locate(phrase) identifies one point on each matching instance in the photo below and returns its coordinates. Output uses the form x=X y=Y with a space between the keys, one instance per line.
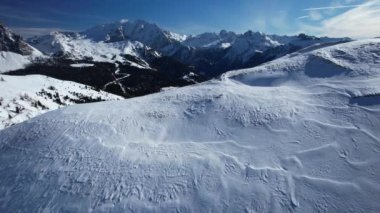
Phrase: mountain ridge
x=137 y=58
x=209 y=53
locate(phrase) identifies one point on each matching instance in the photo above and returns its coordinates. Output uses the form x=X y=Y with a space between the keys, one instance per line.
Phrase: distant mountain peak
x=12 y=42
x=136 y=30
x=122 y=21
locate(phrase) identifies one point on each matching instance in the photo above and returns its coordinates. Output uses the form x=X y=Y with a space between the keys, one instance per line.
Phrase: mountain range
x=134 y=58
x=210 y=54
x=129 y=59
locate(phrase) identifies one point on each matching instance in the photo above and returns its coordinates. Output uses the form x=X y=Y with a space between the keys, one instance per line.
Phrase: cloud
x=28 y=32
x=315 y=15
x=337 y=5
x=332 y=7
x=303 y=17
x=359 y=22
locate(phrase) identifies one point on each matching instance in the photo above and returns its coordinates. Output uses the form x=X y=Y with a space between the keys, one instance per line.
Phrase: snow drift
x=292 y=135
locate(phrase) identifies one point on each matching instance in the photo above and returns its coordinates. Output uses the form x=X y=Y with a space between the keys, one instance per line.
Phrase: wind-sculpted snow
x=296 y=144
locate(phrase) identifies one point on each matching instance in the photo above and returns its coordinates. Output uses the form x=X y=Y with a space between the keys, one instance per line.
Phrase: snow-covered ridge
x=209 y=53
x=24 y=97
x=14 y=52
x=354 y=59
x=12 y=61
x=77 y=47
x=299 y=134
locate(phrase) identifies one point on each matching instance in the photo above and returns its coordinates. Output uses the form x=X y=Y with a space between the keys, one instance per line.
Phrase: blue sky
x=31 y=17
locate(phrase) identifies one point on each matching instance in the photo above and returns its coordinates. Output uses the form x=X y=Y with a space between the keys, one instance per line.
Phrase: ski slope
x=24 y=97
x=299 y=134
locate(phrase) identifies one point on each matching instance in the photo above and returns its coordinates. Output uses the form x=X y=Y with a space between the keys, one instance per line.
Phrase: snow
x=82 y=65
x=123 y=21
x=110 y=42
x=189 y=76
x=281 y=137
x=225 y=45
x=137 y=30
x=203 y=40
x=244 y=46
x=176 y=36
x=24 y=92
x=78 y=47
x=12 y=61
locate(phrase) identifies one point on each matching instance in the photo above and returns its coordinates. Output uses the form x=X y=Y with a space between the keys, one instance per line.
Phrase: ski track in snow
x=266 y=139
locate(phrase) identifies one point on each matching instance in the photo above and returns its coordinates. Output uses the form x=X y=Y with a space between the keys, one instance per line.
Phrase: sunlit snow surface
x=24 y=97
x=12 y=61
x=293 y=135
x=78 y=47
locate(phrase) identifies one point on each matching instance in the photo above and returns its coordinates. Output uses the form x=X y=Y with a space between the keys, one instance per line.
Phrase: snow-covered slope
x=300 y=134
x=14 y=52
x=12 y=61
x=74 y=46
x=23 y=97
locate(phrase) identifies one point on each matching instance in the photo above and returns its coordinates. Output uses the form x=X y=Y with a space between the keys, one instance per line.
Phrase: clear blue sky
x=182 y=16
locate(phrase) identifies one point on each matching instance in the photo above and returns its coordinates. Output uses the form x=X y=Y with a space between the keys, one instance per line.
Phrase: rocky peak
x=13 y=43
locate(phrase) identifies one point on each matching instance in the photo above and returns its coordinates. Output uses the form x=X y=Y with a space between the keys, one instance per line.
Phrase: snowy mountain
x=211 y=54
x=205 y=40
x=139 y=30
x=127 y=68
x=14 y=52
x=74 y=46
x=299 y=134
x=10 y=42
x=24 y=97
x=217 y=53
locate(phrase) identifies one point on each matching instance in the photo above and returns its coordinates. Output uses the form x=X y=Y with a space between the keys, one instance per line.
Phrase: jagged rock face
x=13 y=43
